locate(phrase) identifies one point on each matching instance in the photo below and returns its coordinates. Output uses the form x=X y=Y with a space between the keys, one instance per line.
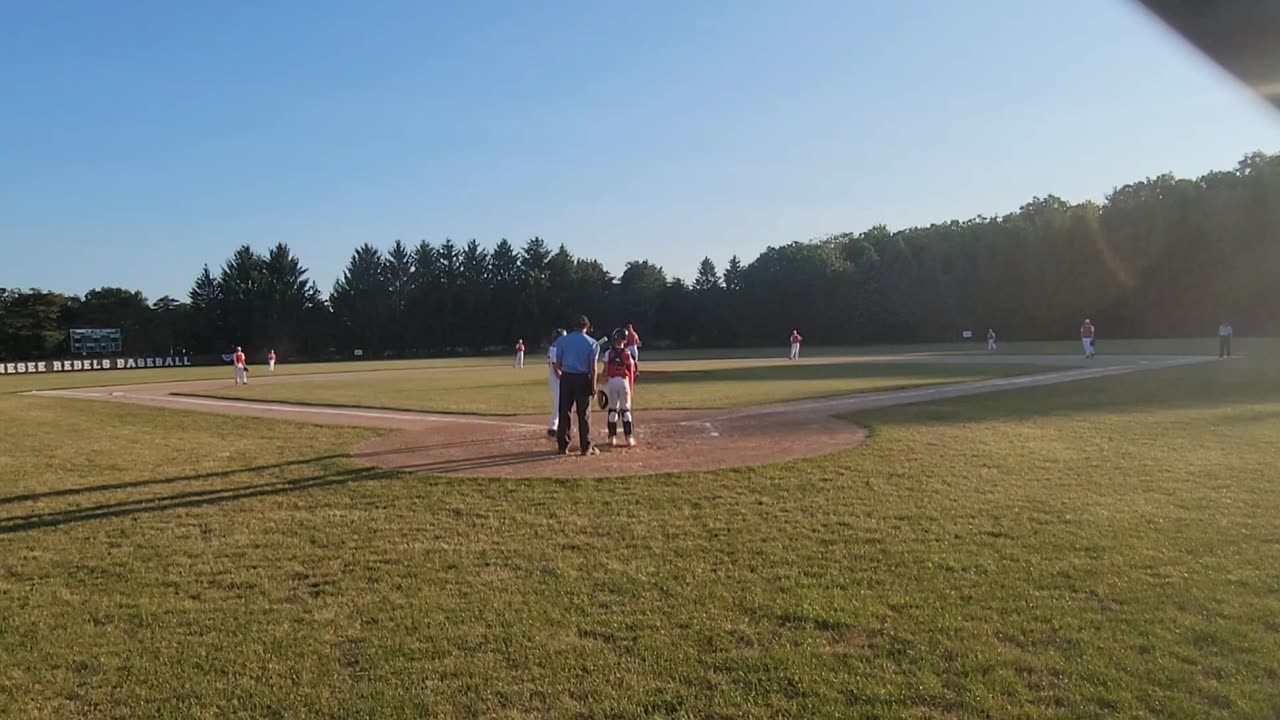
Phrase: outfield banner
x=54 y=366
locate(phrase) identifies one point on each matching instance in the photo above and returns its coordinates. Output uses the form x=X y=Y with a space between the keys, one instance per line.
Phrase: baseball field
x=878 y=532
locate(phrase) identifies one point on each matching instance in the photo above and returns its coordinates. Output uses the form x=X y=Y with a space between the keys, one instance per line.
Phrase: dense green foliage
x=1164 y=257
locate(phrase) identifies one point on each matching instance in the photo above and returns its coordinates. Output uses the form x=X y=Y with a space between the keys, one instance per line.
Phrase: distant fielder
x=520 y=353
x=271 y=361
x=633 y=342
x=242 y=369
x=991 y=340
x=795 y=345
x=1087 y=332
x=554 y=382
x=620 y=369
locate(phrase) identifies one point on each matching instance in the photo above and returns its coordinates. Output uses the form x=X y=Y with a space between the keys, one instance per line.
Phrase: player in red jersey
x=242 y=368
x=620 y=371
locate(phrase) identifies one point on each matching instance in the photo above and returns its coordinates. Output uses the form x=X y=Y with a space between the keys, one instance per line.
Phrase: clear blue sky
x=140 y=140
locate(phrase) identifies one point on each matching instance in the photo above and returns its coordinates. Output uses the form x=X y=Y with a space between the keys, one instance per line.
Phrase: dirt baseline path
x=669 y=441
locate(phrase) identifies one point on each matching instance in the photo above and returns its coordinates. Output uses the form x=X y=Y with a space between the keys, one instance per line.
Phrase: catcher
x=620 y=369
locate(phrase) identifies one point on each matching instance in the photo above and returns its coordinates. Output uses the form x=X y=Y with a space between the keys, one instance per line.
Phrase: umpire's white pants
x=554 y=382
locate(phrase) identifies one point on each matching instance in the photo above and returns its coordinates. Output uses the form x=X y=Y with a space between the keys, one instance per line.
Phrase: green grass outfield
x=1104 y=548
x=669 y=385
x=53 y=381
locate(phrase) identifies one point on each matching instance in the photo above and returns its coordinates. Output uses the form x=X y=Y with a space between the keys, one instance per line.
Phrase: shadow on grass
x=218 y=496
x=444 y=467
x=67 y=492
x=194 y=498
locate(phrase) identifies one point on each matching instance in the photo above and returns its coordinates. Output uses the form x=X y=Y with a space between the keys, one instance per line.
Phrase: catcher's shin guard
x=626 y=422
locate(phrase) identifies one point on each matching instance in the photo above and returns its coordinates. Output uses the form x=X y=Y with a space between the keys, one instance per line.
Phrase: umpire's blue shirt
x=576 y=353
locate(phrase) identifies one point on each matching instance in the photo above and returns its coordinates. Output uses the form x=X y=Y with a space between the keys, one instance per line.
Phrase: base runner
x=633 y=342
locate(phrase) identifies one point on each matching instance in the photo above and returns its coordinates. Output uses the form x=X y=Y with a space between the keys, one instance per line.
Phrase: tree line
x=1162 y=257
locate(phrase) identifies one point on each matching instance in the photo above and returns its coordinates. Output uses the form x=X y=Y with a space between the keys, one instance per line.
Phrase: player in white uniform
x=554 y=382
x=795 y=345
x=520 y=353
x=991 y=339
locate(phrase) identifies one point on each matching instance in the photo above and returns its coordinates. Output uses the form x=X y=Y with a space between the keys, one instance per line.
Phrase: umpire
x=576 y=366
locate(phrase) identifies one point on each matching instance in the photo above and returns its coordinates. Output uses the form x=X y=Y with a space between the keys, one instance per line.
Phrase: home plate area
x=666 y=442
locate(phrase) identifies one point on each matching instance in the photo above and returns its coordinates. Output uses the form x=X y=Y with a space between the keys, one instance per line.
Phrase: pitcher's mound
x=666 y=442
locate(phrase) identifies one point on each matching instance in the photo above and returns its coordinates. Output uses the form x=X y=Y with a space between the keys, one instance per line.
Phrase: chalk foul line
x=286 y=408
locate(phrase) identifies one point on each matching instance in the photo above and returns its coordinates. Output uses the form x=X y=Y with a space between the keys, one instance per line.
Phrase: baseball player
x=242 y=369
x=795 y=345
x=271 y=361
x=620 y=369
x=554 y=381
x=1087 y=332
x=991 y=340
x=633 y=342
x=520 y=353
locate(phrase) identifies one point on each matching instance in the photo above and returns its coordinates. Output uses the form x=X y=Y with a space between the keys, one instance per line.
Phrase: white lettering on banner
x=44 y=366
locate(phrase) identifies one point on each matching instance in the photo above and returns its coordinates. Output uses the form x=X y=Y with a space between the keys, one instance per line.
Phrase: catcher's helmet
x=619 y=335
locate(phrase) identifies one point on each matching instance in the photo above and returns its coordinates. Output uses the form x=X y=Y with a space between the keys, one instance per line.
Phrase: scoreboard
x=95 y=342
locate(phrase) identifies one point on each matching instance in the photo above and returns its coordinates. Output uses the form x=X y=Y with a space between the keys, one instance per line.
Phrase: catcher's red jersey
x=618 y=363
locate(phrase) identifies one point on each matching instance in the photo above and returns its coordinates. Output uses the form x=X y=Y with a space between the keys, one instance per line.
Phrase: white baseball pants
x=554 y=382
